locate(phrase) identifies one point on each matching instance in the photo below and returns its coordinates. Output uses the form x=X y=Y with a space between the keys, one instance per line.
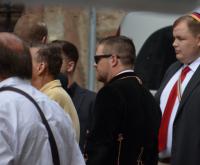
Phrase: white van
x=140 y=25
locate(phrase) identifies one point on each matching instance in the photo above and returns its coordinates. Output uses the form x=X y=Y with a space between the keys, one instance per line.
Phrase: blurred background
x=84 y=22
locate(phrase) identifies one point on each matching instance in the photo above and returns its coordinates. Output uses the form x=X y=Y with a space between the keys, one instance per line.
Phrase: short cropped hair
x=15 y=62
x=51 y=55
x=31 y=29
x=122 y=46
x=69 y=49
x=193 y=24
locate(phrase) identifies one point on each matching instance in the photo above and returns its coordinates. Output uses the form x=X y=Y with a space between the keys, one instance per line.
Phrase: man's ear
x=114 y=60
x=71 y=66
x=41 y=68
x=198 y=40
x=44 y=39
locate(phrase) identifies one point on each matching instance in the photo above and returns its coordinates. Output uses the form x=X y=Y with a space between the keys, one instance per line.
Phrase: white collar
x=12 y=81
x=124 y=71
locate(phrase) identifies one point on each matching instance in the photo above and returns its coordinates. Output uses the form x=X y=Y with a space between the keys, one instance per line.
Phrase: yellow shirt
x=54 y=91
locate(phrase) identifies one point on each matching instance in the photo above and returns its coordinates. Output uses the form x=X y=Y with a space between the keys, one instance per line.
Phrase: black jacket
x=124 y=106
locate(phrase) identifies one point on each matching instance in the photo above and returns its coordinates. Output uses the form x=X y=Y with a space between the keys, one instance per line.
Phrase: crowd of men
x=46 y=118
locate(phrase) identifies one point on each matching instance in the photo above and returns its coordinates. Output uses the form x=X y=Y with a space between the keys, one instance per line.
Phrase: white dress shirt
x=164 y=97
x=24 y=138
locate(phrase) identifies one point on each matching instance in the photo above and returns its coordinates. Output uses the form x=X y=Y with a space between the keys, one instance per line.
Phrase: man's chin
x=179 y=57
x=100 y=79
x=184 y=60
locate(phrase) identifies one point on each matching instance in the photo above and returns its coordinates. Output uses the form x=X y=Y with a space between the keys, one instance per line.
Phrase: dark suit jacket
x=83 y=100
x=124 y=106
x=186 y=131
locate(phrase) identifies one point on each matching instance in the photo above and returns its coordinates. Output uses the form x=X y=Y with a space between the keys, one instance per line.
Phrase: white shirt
x=23 y=137
x=163 y=101
x=124 y=71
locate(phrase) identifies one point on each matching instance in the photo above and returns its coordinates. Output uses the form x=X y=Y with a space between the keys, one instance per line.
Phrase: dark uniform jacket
x=124 y=106
x=186 y=130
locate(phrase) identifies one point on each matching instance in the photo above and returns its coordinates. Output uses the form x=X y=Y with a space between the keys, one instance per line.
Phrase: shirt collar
x=194 y=65
x=13 y=81
x=124 y=71
x=50 y=85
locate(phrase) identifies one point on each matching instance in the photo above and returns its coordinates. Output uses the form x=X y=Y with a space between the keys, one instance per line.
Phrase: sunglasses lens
x=97 y=58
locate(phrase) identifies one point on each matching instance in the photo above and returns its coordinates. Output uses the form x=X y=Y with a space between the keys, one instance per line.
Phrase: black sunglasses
x=97 y=58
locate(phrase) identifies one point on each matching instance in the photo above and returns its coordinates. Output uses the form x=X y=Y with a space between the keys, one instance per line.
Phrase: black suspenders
x=54 y=149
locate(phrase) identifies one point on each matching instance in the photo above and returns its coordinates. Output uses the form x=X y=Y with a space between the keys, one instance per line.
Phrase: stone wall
x=72 y=24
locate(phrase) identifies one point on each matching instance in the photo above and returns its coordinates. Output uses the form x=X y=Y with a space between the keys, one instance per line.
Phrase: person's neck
x=41 y=81
x=70 y=77
x=116 y=71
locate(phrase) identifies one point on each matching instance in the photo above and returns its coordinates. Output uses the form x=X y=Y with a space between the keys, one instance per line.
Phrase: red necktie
x=162 y=138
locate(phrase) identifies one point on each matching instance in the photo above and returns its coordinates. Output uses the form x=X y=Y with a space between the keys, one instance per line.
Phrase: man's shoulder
x=47 y=106
x=51 y=106
x=80 y=90
x=27 y=89
x=125 y=86
x=89 y=92
x=57 y=93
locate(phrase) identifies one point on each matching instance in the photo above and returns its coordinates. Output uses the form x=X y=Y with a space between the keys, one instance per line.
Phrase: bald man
x=23 y=136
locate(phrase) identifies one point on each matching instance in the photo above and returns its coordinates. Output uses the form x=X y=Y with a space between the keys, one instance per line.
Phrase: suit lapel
x=170 y=72
x=195 y=80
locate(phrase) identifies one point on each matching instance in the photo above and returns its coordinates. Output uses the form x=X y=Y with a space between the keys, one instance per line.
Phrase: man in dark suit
x=127 y=118
x=82 y=98
x=178 y=96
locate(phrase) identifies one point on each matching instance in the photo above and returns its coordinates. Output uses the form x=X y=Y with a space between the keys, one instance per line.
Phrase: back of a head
x=69 y=49
x=31 y=29
x=122 y=46
x=15 y=58
x=51 y=55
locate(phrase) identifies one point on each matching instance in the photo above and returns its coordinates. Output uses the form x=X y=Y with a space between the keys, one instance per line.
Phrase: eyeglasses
x=97 y=58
